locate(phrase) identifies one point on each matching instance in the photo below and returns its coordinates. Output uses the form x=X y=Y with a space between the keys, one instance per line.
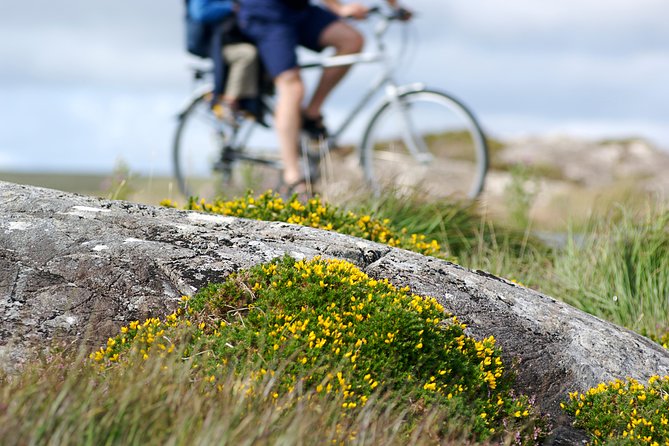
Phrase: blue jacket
x=209 y=11
x=208 y=22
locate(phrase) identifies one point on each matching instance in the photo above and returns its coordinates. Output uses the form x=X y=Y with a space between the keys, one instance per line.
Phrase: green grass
x=61 y=401
x=619 y=270
x=616 y=267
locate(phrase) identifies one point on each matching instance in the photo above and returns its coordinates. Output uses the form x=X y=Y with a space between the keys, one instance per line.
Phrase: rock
x=588 y=163
x=570 y=179
x=73 y=269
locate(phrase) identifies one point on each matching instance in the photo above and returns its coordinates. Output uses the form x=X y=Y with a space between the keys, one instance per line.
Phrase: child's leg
x=242 y=61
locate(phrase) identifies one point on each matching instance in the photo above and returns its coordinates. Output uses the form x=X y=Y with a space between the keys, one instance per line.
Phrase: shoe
x=226 y=111
x=299 y=189
x=314 y=127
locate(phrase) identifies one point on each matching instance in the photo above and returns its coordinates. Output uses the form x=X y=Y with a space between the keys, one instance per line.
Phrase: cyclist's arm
x=360 y=11
x=405 y=14
x=354 y=10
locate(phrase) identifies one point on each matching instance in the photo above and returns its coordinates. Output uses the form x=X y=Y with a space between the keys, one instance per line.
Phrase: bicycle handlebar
x=399 y=13
x=395 y=14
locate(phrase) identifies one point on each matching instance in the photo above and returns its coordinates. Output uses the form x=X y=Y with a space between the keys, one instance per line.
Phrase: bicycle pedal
x=222 y=166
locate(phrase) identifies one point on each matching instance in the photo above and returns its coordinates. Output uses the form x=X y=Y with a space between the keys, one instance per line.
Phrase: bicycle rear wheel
x=209 y=154
x=425 y=141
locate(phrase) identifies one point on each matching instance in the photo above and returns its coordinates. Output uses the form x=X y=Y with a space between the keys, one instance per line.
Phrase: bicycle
x=416 y=137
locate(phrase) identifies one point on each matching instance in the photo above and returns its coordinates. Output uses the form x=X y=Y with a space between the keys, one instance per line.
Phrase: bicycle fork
x=412 y=138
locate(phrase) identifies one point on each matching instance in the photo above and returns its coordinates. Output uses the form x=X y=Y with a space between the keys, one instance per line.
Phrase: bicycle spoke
x=425 y=140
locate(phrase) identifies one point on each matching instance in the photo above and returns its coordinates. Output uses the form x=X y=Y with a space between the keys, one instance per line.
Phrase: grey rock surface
x=73 y=269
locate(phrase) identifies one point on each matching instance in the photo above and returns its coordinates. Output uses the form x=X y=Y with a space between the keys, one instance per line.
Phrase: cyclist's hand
x=403 y=14
x=353 y=10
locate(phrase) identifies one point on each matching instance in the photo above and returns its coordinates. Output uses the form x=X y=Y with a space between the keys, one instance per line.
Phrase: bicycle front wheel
x=425 y=141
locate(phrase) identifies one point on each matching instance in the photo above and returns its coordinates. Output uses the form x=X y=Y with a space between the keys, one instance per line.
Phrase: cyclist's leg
x=345 y=39
x=277 y=43
x=290 y=91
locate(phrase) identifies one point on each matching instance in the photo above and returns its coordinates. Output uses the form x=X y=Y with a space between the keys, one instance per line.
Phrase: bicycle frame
x=385 y=78
x=394 y=107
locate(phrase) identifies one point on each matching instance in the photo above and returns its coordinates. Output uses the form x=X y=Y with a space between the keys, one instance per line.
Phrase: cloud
x=104 y=43
x=567 y=25
x=91 y=61
x=96 y=81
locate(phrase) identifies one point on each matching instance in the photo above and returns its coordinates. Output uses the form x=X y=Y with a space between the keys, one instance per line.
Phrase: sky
x=87 y=84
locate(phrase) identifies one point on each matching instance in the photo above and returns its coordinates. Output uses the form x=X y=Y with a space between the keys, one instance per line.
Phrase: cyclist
x=236 y=64
x=278 y=27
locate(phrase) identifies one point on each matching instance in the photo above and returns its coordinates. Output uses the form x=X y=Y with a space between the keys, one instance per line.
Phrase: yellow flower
x=430 y=386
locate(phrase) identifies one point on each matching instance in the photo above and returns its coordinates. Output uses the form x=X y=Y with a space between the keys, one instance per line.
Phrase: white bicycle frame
x=393 y=91
x=397 y=99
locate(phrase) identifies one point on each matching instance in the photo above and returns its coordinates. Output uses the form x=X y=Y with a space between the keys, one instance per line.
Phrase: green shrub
x=325 y=327
x=315 y=213
x=471 y=238
x=624 y=412
x=454 y=224
x=664 y=340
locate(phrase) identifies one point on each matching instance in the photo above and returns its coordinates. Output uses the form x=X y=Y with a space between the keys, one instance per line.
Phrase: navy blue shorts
x=277 y=38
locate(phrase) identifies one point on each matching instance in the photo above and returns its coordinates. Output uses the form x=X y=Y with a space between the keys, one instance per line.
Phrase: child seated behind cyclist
x=240 y=56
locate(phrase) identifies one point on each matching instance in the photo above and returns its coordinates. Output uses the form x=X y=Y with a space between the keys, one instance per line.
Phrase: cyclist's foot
x=299 y=189
x=227 y=112
x=314 y=127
